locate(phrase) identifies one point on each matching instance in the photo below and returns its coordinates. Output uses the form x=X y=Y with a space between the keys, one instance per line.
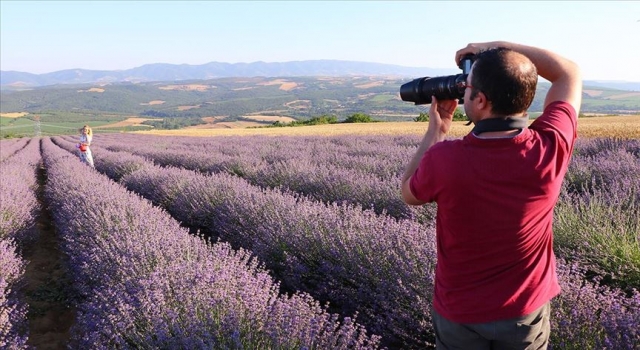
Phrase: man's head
x=507 y=80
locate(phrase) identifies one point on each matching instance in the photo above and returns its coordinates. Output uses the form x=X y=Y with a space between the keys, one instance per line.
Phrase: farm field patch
x=131 y=121
x=601 y=126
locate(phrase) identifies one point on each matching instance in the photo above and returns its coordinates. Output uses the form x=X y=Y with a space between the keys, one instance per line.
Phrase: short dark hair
x=508 y=79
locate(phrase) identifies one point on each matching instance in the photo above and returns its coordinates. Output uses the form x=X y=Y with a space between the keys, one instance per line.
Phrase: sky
x=603 y=37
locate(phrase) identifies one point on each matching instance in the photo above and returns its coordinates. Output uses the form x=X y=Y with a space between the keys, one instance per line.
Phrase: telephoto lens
x=419 y=91
x=449 y=87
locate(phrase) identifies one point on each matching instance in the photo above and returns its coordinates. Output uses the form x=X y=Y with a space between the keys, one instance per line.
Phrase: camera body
x=449 y=87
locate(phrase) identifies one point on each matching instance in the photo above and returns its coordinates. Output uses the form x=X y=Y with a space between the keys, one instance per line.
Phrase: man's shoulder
x=558 y=114
x=558 y=108
x=446 y=146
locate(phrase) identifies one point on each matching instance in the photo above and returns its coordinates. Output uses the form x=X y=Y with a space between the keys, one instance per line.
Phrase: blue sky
x=46 y=36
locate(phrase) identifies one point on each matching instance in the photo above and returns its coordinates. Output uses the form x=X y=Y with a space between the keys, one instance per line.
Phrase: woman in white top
x=84 y=152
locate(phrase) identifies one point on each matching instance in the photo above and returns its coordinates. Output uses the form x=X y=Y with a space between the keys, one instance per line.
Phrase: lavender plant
x=18 y=208
x=587 y=313
x=18 y=201
x=341 y=254
x=147 y=283
x=338 y=170
x=13 y=313
x=598 y=215
x=11 y=146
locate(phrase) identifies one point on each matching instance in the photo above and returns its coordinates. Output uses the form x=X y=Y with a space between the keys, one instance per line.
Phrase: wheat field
x=625 y=127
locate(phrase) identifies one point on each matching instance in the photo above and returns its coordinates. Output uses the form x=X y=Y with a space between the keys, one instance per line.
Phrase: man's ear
x=481 y=101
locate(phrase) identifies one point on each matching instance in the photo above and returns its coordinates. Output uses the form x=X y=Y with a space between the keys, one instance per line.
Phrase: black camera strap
x=500 y=124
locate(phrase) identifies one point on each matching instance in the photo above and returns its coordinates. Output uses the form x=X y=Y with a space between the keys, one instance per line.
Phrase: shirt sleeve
x=559 y=117
x=421 y=183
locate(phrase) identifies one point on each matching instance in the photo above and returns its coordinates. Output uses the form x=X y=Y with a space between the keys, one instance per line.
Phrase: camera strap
x=500 y=124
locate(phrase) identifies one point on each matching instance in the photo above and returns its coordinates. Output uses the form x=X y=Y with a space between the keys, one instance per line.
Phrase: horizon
x=71 y=69
x=40 y=37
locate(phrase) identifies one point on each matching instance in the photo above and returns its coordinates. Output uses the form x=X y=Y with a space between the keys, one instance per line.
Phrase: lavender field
x=282 y=243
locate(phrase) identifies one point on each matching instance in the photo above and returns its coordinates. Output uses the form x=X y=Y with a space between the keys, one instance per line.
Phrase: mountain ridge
x=212 y=70
x=15 y=80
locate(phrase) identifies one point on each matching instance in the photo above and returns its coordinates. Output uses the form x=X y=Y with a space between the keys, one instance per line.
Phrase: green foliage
x=174 y=123
x=359 y=118
x=458 y=115
x=604 y=234
x=423 y=117
x=323 y=119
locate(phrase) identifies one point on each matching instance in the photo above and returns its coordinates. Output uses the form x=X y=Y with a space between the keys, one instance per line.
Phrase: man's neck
x=494 y=130
x=498 y=134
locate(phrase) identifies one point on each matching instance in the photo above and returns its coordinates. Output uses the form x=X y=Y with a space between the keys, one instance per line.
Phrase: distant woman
x=84 y=152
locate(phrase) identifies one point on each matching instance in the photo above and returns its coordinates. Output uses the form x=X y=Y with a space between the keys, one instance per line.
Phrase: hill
x=12 y=80
x=236 y=98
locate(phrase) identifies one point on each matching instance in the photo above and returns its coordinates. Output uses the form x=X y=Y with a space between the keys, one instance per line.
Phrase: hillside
x=234 y=98
x=11 y=80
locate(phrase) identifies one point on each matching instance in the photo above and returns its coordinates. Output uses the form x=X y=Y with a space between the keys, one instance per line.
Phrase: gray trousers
x=527 y=332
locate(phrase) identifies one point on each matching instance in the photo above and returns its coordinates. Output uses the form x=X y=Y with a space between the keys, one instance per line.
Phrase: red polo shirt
x=495 y=212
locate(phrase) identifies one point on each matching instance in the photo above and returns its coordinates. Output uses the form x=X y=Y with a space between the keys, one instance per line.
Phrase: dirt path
x=47 y=283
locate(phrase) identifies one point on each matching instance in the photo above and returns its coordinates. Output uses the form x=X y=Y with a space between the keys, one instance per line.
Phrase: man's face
x=468 y=110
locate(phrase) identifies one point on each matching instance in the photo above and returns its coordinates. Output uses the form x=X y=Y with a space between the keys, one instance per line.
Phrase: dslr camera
x=449 y=87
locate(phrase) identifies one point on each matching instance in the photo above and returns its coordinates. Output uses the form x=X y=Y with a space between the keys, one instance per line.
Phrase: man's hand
x=441 y=115
x=475 y=48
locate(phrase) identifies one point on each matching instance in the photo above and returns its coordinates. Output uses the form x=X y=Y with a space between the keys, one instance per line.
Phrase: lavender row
x=344 y=170
x=13 y=313
x=598 y=216
x=305 y=243
x=18 y=202
x=18 y=208
x=355 y=259
x=589 y=315
x=11 y=146
x=147 y=283
x=319 y=168
x=379 y=156
x=605 y=163
x=318 y=171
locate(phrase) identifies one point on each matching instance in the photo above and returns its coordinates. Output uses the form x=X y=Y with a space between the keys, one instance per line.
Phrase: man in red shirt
x=495 y=190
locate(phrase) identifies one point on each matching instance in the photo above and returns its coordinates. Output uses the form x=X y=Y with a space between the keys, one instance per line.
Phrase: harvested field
x=187 y=87
x=284 y=84
x=370 y=85
x=593 y=93
x=151 y=103
x=92 y=90
x=619 y=126
x=133 y=121
x=626 y=127
x=270 y=118
x=623 y=96
x=13 y=115
x=254 y=121
x=186 y=108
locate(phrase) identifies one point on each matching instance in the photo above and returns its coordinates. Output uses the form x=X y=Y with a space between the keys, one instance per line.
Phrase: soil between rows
x=46 y=281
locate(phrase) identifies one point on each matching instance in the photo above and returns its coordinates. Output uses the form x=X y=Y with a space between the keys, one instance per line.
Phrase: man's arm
x=564 y=74
x=440 y=116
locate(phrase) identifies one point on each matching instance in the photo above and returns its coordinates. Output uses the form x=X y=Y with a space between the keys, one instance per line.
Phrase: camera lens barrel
x=419 y=91
x=450 y=87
